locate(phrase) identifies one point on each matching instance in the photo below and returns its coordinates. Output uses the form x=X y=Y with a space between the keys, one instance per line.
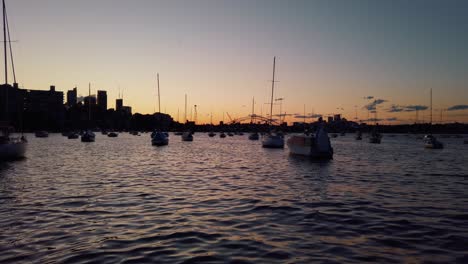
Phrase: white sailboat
x=88 y=135
x=315 y=146
x=10 y=147
x=431 y=141
x=272 y=140
x=159 y=138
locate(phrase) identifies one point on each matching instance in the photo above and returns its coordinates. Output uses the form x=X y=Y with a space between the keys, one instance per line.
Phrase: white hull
x=12 y=150
x=272 y=141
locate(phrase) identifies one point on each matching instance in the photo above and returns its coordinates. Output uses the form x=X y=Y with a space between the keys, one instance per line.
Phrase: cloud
x=369 y=97
x=391 y=119
x=373 y=105
x=406 y=108
x=412 y=108
x=457 y=107
x=395 y=109
x=308 y=116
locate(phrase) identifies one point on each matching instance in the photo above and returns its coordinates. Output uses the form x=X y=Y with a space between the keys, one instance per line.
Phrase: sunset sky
x=332 y=55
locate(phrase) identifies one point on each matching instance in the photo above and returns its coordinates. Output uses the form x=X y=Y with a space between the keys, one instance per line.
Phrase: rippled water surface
x=121 y=200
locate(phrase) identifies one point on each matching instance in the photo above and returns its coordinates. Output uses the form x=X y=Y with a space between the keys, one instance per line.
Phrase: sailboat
x=88 y=135
x=431 y=141
x=253 y=135
x=212 y=133
x=272 y=140
x=375 y=136
x=159 y=138
x=10 y=147
x=187 y=135
x=315 y=146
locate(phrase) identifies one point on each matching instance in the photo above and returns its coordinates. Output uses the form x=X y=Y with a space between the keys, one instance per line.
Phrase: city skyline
x=332 y=56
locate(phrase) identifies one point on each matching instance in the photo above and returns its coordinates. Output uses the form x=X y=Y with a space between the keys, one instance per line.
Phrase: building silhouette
x=102 y=99
x=72 y=96
x=118 y=104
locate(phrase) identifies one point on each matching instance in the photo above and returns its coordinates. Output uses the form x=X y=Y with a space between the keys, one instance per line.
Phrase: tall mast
x=272 y=91
x=5 y=42
x=89 y=103
x=431 y=108
x=159 y=96
x=185 y=113
x=253 y=110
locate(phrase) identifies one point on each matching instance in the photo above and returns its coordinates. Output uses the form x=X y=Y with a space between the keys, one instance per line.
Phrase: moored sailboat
x=315 y=146
x=10 y=147
x=430 y=141
x=272 y=140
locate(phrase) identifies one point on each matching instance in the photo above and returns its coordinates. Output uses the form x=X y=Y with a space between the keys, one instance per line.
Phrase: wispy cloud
x=391 y=119
x=396 y=109
x=412 y=108
x=308 y=116
x=457 y=107
x=406 y=108
x=373 y=105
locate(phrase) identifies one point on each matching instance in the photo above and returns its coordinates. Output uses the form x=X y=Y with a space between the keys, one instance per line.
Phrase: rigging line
x=11 y=51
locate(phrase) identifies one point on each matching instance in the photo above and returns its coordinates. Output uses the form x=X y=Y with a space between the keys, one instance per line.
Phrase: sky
x=332 y=56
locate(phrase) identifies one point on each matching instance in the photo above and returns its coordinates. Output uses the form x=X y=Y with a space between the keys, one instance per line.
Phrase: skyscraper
x=102 y=99
x=72 y=97
x=118 y=104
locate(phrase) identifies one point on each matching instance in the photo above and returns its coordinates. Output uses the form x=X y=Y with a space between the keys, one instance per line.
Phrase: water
x=121 y=200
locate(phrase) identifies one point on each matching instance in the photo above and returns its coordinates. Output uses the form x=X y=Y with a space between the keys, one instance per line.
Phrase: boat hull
x=273 y=142
x=11 y=151
x=303 y=146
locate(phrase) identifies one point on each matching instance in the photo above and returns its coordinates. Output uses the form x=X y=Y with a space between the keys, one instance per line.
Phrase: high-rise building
x=118 y=104
x=72 y=96
x=90 y=100
x=102 y=99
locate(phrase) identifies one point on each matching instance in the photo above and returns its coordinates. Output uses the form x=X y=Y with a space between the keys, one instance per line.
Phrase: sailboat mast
x=89 y=103
x=431 y=108
x=5 y=42
x=253 y=110
x=272 y=90
x=159 y=95
x=185 y=114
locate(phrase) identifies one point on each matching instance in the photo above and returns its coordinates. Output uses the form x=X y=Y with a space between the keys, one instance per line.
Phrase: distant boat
x=334 y=135
x=104 y=132
x=159 y=138
x=358 y=135
x=272 y=140
x=254 y=136
x=72 y=135
x=88 y=135
x=431 y=141
x=10 y=147
x=315 y=146
x=222 y=135
x=230 y=134
x=241 y=133
x=112 y=134
x=375 y=137
x=41 y=134
x=187 y=136
x=211 y=134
